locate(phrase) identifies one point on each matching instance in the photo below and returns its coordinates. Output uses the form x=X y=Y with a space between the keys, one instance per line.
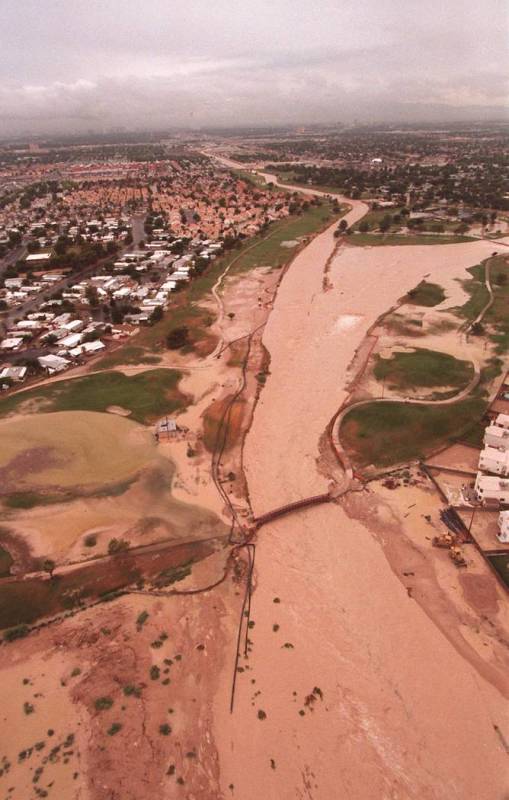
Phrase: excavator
x=448 y=542
x=456 y=556
x=445 y=540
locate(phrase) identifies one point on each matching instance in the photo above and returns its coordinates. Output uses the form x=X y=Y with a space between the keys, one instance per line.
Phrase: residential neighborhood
x=101 y=250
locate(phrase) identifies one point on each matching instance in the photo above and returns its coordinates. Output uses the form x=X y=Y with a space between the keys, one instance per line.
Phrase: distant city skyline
x=70 y=66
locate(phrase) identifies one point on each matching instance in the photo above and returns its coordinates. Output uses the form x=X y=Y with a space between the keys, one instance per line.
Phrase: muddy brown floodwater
x=351 y=688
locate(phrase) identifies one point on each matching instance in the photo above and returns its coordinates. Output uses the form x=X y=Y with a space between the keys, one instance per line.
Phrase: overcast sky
x=76 y=65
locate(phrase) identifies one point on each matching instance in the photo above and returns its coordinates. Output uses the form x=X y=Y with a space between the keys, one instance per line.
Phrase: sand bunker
x=122 y=412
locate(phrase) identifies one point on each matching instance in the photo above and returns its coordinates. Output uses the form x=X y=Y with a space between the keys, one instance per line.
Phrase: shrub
x=115 y=728
x=103 y=703
x=177 y=338
x=142 y=618
x=16 y=633
x=117 y=546
x=131 y=690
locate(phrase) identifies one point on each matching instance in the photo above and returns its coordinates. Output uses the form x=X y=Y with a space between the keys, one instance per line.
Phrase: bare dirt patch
x=480 y=593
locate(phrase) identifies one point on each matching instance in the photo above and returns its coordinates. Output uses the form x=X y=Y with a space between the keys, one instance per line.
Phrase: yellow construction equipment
x=443 y=540
x=456 y=556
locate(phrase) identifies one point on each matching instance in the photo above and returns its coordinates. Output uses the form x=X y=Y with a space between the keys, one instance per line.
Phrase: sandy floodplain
x=351 y=689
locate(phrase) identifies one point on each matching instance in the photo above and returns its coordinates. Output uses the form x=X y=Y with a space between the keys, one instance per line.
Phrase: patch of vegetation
x=423 y=368
x=24 y=601
x=498 y=314
x=33 y=499
x=114 y=728
x=141 y=620
x=501 y=563
x=291 y=178
x=6 y=562
x=117 y=546
x=130 y=354
x=377 y=240
x=381 y=218
x=268 y=251
x=173 y=575
x=476 y=288
x=18 y=632
x=403 y=326
x=425 y=294
x=132 y=691
x=383 y=434
x=147 y=396
x=103 y=703
x=178 y=338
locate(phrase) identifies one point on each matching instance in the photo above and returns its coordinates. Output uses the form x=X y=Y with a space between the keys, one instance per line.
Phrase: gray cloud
x=69 y=65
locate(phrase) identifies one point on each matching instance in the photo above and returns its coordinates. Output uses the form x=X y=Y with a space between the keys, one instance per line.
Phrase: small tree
x=49 y=566
x=117 y=546
x=177 y=338
x=156 y=315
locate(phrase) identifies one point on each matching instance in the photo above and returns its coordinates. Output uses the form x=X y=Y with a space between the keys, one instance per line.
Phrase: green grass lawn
x=290 y=178
x=501 y=563
x=497 y=317
x=269 y=252
x=126 y=355
x=379 y=239
x=148 y=395
x=425 y=294
x=392 y=433
x=253 y=178
x=476 y=288
x=498 y=314
x=423 y=368
x=374 y=218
